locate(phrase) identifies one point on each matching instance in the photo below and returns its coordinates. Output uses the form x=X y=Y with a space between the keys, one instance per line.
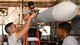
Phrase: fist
x=33 y=16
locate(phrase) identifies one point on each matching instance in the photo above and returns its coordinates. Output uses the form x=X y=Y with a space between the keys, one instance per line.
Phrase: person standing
x=63 y=33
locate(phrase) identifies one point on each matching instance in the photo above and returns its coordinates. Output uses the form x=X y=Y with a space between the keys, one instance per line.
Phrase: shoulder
x=12 y=37
x=70 y=40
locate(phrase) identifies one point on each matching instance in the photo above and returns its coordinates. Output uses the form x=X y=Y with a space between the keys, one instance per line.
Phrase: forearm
x=25 y=17
x=25 y=28
x=27 y=24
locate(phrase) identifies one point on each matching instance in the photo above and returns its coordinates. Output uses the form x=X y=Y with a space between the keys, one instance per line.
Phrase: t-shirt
x=12 y=40
x=26 y=11
x=70 y=41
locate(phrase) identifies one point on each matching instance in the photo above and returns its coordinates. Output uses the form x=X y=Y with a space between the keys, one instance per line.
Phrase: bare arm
x=25 y=17
x=25 y=27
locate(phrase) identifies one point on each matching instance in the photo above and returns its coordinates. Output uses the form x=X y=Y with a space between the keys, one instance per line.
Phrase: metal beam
x=17 y=3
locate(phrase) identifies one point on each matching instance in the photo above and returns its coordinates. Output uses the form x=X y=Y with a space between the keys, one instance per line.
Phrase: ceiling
x=38 y=3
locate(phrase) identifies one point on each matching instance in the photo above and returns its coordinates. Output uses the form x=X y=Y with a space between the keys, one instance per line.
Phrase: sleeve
x=12 y=39
x=69 y=43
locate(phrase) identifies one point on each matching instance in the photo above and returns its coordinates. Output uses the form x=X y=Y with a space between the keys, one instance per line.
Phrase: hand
x=32 y=16
x=25 y=17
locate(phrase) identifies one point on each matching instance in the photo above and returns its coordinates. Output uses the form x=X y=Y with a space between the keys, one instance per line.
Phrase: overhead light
x=55 y=0
x=3 y=11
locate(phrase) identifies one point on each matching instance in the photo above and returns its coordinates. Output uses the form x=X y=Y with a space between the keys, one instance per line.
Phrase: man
x=31 y=5
x=28 y=10
x=63 y=32
x=14 y=34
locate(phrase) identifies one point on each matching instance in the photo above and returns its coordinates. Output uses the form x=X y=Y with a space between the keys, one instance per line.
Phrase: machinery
x=63 y=11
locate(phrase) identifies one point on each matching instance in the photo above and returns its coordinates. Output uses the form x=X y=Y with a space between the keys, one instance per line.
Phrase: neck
x=11 y=33
x=29 y=8
x=65 y=35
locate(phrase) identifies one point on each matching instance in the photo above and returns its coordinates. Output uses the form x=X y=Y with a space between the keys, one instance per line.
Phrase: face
x=59 y=32
x=32 y=7
x=13 y=27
